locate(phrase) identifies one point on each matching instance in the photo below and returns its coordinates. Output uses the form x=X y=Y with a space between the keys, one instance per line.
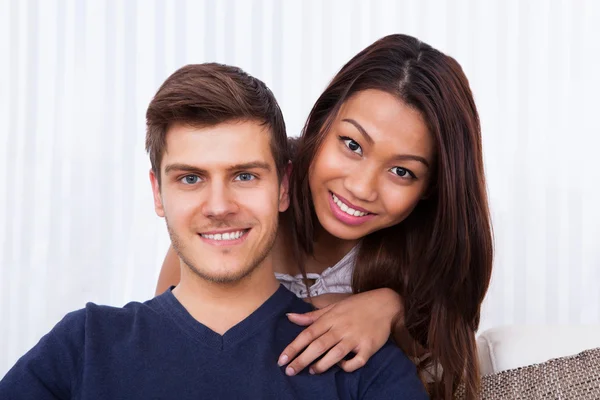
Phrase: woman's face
x=373 y=166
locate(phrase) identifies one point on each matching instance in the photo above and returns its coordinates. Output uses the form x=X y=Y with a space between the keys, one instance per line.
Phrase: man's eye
x=402 y=172
x=352 y=145
x=245 y=177
x=190 y=179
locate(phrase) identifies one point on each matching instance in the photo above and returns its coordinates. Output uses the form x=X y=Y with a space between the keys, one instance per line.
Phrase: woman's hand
x=360 y=324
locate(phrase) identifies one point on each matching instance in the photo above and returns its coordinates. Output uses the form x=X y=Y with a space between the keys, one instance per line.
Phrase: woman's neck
x=327 y=251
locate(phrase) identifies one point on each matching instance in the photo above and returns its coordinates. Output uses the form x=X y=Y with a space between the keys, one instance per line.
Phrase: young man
x=217 y=146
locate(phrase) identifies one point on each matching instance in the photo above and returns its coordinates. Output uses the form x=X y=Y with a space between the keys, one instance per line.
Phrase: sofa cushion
x=572 y=377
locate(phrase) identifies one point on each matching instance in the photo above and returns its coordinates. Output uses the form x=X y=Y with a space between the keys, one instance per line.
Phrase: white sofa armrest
x=517 y=346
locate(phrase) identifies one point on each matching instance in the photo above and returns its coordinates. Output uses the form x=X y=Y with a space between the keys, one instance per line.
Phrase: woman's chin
x=343 y=232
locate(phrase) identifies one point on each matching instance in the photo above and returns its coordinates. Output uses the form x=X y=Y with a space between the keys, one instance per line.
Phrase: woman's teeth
x=346 y=209
x=224 y=236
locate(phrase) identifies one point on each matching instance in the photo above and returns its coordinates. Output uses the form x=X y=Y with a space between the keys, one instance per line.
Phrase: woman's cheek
x=326 y=165
x=341 y=163
x=399 y=202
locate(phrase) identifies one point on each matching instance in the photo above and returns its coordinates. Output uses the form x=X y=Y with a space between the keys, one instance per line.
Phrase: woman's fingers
x=314 y=350
x=307 y=318
x=333 y=356
x=356 y=362
x=301 y=342
x=359 y=324
x=311 y=333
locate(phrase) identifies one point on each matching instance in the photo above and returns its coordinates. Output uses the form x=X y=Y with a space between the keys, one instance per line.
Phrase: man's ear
x=158 y=205
x=284 y=188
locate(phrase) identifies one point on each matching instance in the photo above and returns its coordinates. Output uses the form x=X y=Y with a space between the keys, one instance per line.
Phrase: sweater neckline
x=273 y=306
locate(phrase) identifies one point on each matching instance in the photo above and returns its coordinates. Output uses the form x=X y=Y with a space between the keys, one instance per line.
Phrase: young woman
x=388 y=203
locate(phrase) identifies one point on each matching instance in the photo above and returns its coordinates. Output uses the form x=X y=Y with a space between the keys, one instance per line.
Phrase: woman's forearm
x=169 y=273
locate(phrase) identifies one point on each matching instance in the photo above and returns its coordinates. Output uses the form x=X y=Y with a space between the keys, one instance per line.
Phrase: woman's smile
x=348 y=213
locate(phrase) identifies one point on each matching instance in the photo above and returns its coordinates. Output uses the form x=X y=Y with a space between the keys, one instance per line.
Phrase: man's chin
x=225 y=276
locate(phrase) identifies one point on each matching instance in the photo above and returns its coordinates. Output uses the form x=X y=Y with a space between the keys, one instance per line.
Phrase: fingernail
x=282 y=360
x=311 y=371
x=289 y=371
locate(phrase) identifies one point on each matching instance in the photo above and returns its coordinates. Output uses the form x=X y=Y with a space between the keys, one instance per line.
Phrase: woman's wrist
x=392 y=304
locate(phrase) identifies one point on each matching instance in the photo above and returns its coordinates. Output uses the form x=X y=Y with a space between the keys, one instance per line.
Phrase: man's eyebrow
x=250 y=165
x=200 y=171
x=183 y=168
x=362 y=130
x=400 y=157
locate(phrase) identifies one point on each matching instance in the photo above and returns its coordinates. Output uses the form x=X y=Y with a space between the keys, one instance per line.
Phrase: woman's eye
x=402 y=172
x=190 y=179
x=352 y=145
x=245 y=177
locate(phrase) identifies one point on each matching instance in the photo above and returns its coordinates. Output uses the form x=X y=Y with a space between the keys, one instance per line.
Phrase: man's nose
x=219 y=202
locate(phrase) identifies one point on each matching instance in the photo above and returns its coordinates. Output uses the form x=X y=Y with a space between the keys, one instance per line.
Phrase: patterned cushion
x=573 y=377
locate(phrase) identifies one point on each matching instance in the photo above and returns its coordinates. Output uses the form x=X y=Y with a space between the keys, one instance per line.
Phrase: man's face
x=220 y=197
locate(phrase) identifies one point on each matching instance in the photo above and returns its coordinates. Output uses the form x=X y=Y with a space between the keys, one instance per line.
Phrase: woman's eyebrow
x=362 y=130
x=404 y=157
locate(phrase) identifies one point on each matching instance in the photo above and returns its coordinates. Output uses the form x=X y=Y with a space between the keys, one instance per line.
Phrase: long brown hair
x=439 y=259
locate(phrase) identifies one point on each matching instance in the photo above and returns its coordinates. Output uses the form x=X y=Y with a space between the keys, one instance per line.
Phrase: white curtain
x=76 y=217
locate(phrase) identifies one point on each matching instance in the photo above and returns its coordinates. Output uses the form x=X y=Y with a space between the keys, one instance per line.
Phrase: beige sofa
x=540 y=362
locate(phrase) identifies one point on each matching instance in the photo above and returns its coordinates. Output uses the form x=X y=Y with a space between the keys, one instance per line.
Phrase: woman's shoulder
x=335 y=279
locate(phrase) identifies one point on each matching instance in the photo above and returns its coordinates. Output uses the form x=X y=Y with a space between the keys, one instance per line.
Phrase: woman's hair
x=439 y=259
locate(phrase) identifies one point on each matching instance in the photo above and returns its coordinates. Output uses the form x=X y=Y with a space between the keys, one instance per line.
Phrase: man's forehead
x=220 y=146
x=224 y=131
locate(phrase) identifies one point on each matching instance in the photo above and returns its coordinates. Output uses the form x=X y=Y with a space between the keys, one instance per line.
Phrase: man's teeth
x=346 y=209
x=225 y=236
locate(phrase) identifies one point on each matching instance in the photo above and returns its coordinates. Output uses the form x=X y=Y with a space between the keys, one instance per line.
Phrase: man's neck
x=220 y=306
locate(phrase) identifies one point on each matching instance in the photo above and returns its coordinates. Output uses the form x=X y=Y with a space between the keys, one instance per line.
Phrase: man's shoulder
x=101 y=318
x=390 y=354
x=297 y=305
x=391 y=372
x=129 y=310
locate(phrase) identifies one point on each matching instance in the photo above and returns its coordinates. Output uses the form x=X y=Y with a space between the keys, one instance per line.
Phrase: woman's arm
x=359 y=324
x=169 y=273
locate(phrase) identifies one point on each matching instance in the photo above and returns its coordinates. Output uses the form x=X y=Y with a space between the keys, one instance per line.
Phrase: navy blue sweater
x=157 y=350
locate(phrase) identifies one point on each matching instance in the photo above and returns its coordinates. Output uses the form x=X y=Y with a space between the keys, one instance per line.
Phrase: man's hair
x=204 y=95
